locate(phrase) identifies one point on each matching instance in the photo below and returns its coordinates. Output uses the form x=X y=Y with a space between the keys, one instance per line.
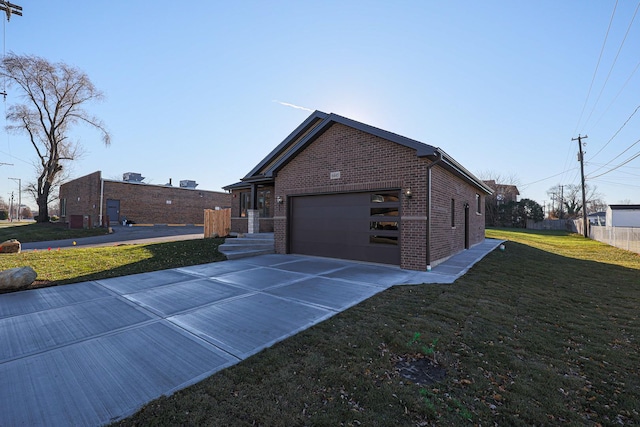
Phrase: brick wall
x=368 y=163
x=141 y=203
x=82 y=197
x=365 y=163
x=151 y=204
x=445 y=239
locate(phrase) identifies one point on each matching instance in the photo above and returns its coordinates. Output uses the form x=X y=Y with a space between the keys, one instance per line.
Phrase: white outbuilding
x=623 y=216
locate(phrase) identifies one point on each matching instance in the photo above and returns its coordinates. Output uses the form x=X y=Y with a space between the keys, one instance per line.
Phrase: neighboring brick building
x=503 y=193
x=84 y=201
x=339 y=188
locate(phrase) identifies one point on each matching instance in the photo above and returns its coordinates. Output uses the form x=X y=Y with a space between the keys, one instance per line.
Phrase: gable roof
x=316 y=124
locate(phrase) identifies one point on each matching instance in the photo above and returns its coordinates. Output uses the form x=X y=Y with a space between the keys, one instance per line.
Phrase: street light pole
x=19 y=195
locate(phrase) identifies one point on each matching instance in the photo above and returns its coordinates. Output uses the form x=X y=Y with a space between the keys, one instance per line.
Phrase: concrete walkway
x=90 y=353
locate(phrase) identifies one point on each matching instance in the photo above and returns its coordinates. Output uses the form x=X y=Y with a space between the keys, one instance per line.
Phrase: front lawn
x=58 y=267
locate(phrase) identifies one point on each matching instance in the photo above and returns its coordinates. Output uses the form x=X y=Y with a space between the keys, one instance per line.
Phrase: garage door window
x=383 y=218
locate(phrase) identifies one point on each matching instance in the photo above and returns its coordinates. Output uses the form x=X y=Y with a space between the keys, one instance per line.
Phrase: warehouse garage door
x=356 y=226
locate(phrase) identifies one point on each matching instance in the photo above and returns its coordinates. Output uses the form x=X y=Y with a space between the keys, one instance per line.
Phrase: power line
x=618 y=131
x=633 y=157
x=610 y=161
x=544 y=179
x=595 y=72
x=613 y=64
x=618 y=94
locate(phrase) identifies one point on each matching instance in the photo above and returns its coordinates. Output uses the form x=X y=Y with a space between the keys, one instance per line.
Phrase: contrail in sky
x=286 y=104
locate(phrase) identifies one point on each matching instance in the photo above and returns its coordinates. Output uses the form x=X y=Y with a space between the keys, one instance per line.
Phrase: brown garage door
x=357 y=226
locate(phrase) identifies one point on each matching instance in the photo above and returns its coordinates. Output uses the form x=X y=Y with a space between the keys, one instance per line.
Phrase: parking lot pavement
x=126 y=235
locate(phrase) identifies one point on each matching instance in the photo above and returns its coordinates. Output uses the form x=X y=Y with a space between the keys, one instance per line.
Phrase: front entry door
x=113 y=210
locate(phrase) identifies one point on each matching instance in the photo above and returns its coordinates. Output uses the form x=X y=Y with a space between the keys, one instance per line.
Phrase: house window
x=264 y=203
x=63 y=207
x=245 y=203
x=478 y=204
x=453 y=213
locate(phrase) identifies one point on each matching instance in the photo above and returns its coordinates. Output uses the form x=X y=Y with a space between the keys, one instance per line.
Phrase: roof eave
x=422 y=149
x=285 y=143
x=464 y=173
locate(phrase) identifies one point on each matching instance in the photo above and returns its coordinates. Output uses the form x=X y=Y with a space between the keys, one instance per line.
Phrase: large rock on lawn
x=10 y=247
x=17 y=278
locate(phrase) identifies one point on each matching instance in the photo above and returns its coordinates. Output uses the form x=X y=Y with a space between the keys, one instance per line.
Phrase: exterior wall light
x=408 y=194
x=279 y=200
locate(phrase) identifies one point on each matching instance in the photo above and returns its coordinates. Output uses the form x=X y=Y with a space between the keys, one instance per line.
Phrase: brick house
x=85 y=200
x=339 y=188
x=503 y=193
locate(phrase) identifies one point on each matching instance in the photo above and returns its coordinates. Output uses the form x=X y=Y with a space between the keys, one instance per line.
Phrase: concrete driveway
x=90 y=353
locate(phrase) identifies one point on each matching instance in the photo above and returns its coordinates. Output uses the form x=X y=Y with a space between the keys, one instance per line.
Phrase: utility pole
x=19 y=195
x=10 y=9
x=561 y=201
x=584 y=197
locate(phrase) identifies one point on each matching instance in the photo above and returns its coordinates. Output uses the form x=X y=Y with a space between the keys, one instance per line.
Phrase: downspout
x=101 y=199
x=435 y=162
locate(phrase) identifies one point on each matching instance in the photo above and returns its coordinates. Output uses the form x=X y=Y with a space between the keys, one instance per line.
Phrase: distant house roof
x=624 y=207
x=316 y=124
x=502 y=188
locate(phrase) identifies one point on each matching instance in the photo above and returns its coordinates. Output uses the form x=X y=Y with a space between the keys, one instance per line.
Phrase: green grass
x=58 y=267
x=35 y=232
x=544 y=333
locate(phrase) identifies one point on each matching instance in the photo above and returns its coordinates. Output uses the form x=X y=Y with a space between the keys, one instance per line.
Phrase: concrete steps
x=248 y=245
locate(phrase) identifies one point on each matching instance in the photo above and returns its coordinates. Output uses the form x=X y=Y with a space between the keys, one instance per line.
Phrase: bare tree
x=567 y=200
x=55 y=96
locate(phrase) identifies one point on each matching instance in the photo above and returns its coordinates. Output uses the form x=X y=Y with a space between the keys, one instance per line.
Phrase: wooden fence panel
x=217 y=223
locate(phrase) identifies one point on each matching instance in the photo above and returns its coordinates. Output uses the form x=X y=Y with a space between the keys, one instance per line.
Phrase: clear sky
x=203 y=90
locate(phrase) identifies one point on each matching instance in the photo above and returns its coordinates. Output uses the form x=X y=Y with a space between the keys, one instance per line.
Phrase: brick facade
x=329 y=154
x=141 y=203
x=367 y=163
